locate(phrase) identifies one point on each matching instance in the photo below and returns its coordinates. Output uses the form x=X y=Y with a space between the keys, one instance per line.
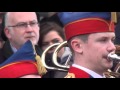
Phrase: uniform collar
x=92 y=73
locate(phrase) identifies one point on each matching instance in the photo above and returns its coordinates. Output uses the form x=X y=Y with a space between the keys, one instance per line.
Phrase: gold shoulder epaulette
x=70 y=75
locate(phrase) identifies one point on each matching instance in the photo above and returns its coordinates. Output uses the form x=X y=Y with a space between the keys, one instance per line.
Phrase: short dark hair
x=48 y=26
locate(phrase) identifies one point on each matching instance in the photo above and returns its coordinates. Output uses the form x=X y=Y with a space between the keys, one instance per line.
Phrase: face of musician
x=21 y=27
x=51 y=38
x=93 y=53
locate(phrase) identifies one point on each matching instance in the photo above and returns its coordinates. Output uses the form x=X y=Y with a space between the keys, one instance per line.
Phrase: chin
x=33 y=42
x=110 y=66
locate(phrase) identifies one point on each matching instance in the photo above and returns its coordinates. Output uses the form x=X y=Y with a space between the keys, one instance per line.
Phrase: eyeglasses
x=24 y=25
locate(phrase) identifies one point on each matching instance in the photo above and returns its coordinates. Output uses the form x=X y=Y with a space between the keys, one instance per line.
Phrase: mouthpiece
x=112 y=56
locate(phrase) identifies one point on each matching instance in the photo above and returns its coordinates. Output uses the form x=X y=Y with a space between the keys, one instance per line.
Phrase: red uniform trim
x=16 y=70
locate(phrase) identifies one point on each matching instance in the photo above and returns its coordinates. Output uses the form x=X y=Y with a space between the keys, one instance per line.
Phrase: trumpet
x=59 y=67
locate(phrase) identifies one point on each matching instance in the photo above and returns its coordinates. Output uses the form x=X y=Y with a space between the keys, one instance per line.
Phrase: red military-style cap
x=76 y=23
x=20 y=64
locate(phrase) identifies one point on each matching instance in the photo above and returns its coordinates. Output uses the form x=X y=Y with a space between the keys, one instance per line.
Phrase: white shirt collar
x=92 y=73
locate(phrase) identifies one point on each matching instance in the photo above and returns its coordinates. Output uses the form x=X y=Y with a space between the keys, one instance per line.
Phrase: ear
x=7 y=33
x=76 y=44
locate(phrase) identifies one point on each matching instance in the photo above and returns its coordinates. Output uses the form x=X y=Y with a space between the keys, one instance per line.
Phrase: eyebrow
x=52 y=40
x=27 y=22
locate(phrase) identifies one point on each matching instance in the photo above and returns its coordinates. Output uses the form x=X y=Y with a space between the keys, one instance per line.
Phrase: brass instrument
x=115 y=73
x=117 y=68
x=108 y=74
x=43 y=58
x=54 y=58
x=112 y=56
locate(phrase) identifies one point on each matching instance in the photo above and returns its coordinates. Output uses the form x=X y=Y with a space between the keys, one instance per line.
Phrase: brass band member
x=90 y=36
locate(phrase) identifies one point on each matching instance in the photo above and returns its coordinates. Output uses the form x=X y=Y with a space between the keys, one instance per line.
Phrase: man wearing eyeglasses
x=18 y=27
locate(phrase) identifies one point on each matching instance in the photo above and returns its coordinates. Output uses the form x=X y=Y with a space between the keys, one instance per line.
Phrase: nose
x=111 y=47
x=29 y=28
x=50 y=43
